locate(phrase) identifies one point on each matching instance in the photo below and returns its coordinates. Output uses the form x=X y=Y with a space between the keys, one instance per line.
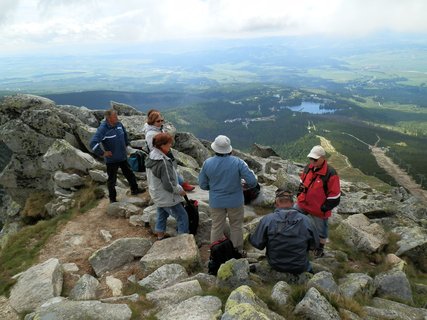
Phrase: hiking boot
x=187 y=187
x=113 y=200
x=162 y=235
x=136 y=191
x=318 y=253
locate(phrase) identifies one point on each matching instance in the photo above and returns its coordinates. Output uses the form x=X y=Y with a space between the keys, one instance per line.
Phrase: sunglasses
x=312 y=159
x=161 y=120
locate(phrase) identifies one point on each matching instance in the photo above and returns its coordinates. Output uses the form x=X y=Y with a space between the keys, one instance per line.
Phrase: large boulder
x=175 y=294
x=181 y=249
x=62 y=155
x=234 y=273
x=94 y=310
x=84 y=114
x=190 y=145
x=37 y=285
x=163 y=277
x=263 y=151
x=403 y=309
x=324 y=282
x=118 y=253
x=67 y=180
x=358 y=232
x=85 y=288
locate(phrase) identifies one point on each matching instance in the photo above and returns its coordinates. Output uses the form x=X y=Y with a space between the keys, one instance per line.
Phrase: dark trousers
x=112 y=169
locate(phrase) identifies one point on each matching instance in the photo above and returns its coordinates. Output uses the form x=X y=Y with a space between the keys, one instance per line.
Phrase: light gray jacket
x=162 y=180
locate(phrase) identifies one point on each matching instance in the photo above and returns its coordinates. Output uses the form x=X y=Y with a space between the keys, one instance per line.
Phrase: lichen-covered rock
x=410 y=312
x=357 y=231
x=233 y=273
x=243 y=301
x=118 y=253
x=281 y=292
x=68 y=181
x=413 y=244
x=187 y=143
x=356 y=283
x=37 y=285
x=315 y=307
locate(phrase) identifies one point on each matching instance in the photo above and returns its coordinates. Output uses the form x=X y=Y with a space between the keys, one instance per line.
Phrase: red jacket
x=317 y=197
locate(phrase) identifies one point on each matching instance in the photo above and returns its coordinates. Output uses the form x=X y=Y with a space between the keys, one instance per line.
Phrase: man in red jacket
x=319 y=193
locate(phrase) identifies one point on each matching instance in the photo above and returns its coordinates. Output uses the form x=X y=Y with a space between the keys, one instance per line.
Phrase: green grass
x=21 y=249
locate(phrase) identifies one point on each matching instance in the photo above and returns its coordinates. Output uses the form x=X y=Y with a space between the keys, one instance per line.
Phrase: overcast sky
x=45 y=24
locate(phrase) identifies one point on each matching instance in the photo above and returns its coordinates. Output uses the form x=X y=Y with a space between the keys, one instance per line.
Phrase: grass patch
x=34 y=207
x=22 y=249
x=349 y=304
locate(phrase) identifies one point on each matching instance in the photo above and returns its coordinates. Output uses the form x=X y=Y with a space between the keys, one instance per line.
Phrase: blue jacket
x=288 y=235
x=114 y=139
x=222 y=175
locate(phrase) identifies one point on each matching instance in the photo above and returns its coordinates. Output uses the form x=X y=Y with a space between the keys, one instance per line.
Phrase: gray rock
x=84 y=114
x=356 y=283
x=410 y=312
x=182 y=249
x=383 y=314
x=132 y=298
x=163 y=277
x=197 y=307
x=6 y=310
x=85 y=134
x=185 y=160
x=69 y=267
x=85 y=288
x=234 y=273
x=123 y=209
x=280 y=293
x=189 y=175
x=93 y=310
x=136 y=221
x=205 y=279
x=357 y=231
x=48 y=122
x=115 y=285
x=244 y=299
x=68 y=181
x=37 y=285
x=187 y=143
x=106 y=235
x=118 y=253
x=125 y=109
x=175 y=294
x=315 y=307
x=348 y=315
x=263 y=151
x=98 y=175
x=413 y=244
x=324 y=282
x=268 y=274
x=393 y=284
x=62 y=155
x=134 y=126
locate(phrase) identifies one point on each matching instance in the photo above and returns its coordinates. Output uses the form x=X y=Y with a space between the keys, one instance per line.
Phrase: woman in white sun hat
x=222 y=175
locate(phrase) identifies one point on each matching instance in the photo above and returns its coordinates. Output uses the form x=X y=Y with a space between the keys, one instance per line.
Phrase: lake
x=311 y=107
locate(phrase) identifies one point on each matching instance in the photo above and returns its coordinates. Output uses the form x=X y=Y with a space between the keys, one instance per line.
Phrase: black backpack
x=221 y=251
x=251 y=194
x=191 y=206
x=137 y=161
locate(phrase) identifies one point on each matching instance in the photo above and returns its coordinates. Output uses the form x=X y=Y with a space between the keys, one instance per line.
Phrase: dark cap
x=284 y=193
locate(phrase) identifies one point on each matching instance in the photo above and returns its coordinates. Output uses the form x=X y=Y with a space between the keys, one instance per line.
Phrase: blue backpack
x=137 y=161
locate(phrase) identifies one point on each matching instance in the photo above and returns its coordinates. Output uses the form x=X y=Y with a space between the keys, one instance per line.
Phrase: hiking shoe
x=318 y=253
x=113 y=200
x=187 y=187
x=162 y=235
x=136 y=191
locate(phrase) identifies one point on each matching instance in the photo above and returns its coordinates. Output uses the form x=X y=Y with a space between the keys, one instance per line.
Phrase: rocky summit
x=374 y=267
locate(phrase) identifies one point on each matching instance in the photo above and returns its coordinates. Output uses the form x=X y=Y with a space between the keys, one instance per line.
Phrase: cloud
x=50 y=22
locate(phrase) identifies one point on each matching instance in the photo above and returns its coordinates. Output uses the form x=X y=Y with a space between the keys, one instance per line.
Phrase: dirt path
x=401 y=177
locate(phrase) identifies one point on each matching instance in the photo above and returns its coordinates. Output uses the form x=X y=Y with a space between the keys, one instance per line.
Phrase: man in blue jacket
x=287 y=234
x=110 y=141
x=222 y=175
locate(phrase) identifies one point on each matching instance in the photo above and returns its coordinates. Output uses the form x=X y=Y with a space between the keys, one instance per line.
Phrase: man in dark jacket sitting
x=287 y=234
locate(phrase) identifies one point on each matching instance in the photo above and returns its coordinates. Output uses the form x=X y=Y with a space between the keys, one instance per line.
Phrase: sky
x=43 y=25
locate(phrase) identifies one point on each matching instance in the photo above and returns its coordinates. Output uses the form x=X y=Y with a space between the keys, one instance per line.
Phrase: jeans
x=112 y=169
x=178 y=212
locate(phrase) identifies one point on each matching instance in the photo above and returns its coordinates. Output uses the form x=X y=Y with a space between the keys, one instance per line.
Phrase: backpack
x=251 y=194
x=137 y=161
x=191 y=206
x=221 y=251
